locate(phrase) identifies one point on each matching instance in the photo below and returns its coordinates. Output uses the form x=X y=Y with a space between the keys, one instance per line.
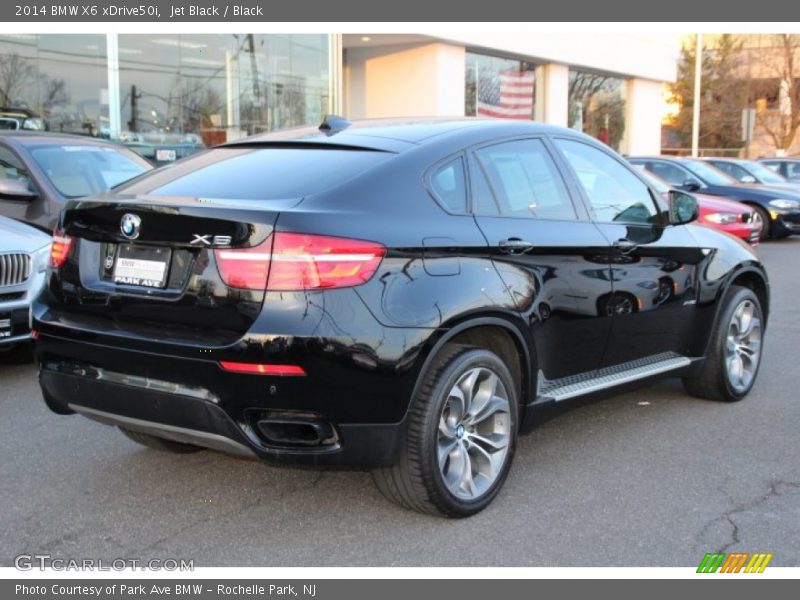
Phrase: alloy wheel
x=474 y=433
x=743 y=346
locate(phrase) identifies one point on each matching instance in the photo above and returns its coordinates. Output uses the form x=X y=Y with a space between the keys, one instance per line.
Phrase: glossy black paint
x=781 y=222
x=365 y=348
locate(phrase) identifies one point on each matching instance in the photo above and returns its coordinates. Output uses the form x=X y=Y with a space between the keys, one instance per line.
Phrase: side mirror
x=692 y=185
x=16 y=189
x=748 y=179
x=682 y=208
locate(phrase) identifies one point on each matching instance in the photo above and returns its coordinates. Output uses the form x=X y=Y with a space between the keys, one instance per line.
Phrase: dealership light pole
x=698 y=76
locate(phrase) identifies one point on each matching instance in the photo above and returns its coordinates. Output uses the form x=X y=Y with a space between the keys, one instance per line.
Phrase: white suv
x=24 y=254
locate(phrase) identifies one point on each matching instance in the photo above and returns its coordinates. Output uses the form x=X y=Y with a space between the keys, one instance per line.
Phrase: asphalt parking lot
x=648 y=478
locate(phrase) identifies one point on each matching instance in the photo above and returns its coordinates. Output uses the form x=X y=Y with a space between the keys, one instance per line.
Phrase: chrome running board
x=168 y=432
x=609 y=377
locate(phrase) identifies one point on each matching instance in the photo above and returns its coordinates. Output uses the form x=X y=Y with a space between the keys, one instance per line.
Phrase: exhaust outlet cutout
x=286 y=429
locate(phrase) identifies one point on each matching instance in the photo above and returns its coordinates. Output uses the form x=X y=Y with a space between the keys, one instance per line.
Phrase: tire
x=422 y=481
x=157 y=443
x=733 y=358
x=616 y=303
x=765 y=232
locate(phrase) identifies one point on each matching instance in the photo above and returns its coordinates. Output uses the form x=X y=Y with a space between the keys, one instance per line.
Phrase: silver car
x=24 y=254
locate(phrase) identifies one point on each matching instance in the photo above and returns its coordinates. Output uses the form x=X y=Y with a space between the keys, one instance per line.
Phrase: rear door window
x=524 y=181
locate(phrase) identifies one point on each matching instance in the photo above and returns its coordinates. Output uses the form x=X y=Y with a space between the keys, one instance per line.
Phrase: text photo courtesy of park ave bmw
x=362 y=295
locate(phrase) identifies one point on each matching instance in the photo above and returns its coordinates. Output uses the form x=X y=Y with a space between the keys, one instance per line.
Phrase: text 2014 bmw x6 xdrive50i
x=405 y=297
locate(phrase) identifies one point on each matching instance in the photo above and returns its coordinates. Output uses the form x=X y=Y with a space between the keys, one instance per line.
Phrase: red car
x=729 y=216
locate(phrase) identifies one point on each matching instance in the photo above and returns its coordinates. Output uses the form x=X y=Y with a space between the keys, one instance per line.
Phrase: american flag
x=506 y=95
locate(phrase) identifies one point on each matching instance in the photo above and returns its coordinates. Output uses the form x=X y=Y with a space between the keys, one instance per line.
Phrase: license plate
x=5 y=327
x=166 y=155
x=144 y=267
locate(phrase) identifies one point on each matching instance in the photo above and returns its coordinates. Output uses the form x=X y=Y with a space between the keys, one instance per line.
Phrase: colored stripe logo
x=735 y=562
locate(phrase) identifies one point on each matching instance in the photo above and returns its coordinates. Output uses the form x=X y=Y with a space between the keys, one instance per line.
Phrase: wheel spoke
x=495 y=405
x=457 y=403
x=447 y=428
x=465 y=481
x=491 y=442
x=467 y=386
x=453 y=466
x=489 y=463
x=735 y=368
x=484 y=393
x=745 y=320
x=445 y=451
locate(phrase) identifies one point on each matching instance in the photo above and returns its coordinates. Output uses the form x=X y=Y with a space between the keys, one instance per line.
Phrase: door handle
x=625 y=246
x=515 y=246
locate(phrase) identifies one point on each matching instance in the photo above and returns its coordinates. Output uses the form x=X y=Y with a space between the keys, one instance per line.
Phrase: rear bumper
x=185 y=416
x=358 y=395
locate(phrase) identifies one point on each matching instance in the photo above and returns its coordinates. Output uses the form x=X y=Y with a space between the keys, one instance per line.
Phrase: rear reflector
x=298 y=261
x=60 y=248
x=262 y=369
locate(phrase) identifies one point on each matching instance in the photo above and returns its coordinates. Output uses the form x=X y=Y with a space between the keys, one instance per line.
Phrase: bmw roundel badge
x=129 y=225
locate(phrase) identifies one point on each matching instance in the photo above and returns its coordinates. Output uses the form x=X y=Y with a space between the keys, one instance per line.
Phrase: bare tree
x=193 y=103
x=54 y=94
x=781 y=123
x=17 y=73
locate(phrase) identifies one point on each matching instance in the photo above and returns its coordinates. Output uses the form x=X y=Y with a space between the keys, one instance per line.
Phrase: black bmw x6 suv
x=404 y=297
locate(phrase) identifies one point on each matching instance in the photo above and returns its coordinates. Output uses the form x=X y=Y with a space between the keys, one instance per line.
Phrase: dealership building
x=203 y=89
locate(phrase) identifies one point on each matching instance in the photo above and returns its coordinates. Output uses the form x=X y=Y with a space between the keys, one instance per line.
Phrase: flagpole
x=698 y=75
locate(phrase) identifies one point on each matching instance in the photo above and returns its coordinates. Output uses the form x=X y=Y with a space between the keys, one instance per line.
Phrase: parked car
x=374 y=295
x=20 y=118
x=719 y=213
x=785 y=167
x=752 y=171
x=161 y=149
x=24 y=254
x=39 y=172
x=778 y=208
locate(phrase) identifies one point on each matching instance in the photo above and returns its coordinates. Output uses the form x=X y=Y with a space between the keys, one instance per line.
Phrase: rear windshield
x=83 y=169
x=257 y=173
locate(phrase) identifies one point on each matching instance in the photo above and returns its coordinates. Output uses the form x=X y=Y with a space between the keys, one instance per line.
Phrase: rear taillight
x=299 y=261
x=246 y=268
x=60 y=248
x=310 y=262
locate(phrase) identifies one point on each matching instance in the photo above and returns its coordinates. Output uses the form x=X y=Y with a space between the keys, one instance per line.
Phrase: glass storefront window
x=206 y=89
x=597 y=106
x=62 y=79
x=176 y=94
x=499 y=87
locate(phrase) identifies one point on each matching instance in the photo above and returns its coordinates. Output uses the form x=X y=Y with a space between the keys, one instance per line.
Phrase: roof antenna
x=332 y=124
